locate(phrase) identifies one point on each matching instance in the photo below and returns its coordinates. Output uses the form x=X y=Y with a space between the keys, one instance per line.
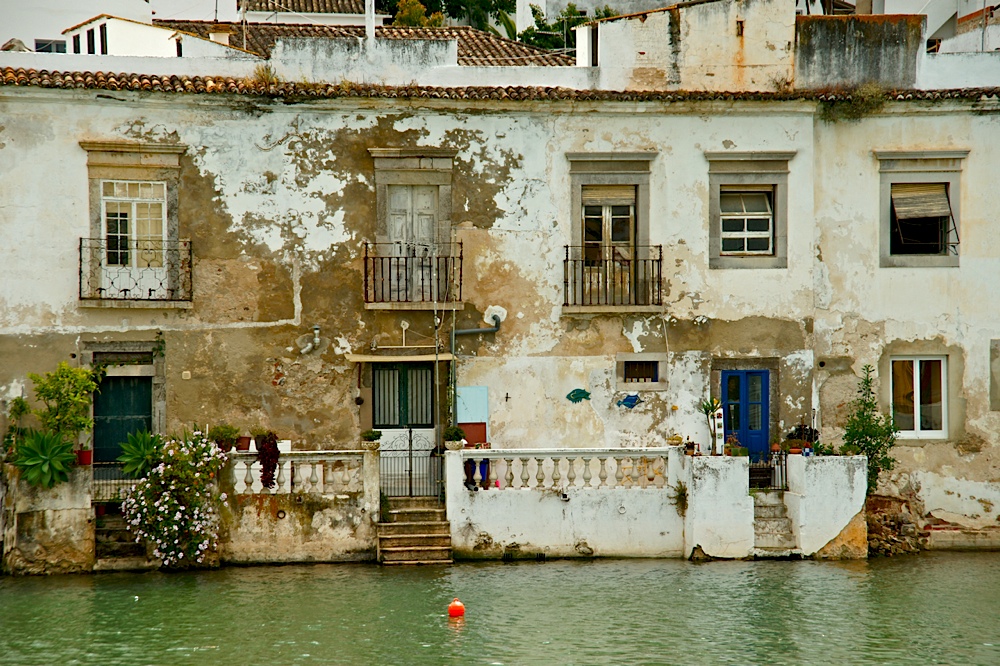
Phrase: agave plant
x=45 y=458
x=140 y=453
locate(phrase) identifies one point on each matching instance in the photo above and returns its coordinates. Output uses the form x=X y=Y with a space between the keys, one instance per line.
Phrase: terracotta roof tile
x=10 y=76
x=306 y=6
x=475 y=47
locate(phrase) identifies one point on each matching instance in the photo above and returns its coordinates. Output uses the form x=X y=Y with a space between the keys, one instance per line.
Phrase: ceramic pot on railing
x=454 y=445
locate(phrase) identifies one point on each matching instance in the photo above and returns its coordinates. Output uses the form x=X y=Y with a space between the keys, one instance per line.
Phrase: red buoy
x=456 y=609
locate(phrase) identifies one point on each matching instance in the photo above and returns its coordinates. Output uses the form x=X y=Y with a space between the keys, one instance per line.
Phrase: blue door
x=745 y=401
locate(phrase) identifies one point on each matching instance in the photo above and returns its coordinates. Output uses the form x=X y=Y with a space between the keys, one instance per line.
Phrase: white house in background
x=312 y=12
x=112 y=35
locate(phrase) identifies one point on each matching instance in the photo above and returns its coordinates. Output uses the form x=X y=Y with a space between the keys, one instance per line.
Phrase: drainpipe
x=454 y=362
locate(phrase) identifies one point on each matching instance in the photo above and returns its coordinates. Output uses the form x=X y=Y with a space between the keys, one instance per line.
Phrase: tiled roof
x=10 y=76
x=306 y=6
x=475 y=47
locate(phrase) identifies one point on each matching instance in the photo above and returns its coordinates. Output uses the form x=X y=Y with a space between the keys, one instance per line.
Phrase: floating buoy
x=456 y=609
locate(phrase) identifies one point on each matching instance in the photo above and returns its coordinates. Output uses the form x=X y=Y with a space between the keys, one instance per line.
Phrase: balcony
x=613 y=279
x=119 y=272
x=413 y=276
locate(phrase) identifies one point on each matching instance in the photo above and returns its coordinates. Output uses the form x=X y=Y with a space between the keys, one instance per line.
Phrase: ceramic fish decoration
x=576 y=395
x=629 y=401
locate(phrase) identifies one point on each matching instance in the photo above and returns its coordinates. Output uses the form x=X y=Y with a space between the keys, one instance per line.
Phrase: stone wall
x=48 y=531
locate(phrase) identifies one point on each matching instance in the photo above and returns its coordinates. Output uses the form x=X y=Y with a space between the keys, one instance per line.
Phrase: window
x=103 y=30
x=747 y=221
x=50 y=46
x=91 y=47
x=610 y=264
x=76 y=43
x=919 y=395
x=403 y=395
x=645 y=371
x=748 y=195
x=134 y=253
x=413 y=263
x=919 y=208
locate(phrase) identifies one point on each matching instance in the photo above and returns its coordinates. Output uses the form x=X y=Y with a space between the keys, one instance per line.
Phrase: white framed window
x=746 y=216
x=135 y=216
x=919 y=393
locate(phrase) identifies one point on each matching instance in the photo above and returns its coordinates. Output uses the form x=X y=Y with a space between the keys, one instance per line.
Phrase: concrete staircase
x=773 y=536
x=115 y=549
x=417 y=532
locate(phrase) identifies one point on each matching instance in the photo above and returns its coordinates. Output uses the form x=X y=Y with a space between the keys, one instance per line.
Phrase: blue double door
x=745 y=404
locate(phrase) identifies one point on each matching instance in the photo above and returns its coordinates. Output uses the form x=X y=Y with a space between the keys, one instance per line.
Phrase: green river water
x=933 y=608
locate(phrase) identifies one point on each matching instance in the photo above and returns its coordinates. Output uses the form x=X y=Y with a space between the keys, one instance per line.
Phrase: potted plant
x=370 y=439
x=66 y=393
x=256 y=433
x=267 y=456
x=454 y=438
x=44 y=458
x=225 y=436
x=243 y=443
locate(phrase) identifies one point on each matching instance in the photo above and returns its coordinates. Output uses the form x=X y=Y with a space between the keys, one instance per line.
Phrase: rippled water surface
x=929 y=609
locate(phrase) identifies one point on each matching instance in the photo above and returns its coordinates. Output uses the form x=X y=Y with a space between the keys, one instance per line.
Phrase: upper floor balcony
x=613 y=278
x=414 y=276
x=126 y=272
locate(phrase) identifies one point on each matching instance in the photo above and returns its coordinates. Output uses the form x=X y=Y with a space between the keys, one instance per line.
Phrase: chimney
x=370 y=22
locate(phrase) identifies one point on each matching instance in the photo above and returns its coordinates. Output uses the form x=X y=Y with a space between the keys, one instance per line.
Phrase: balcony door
x=134 y=215
x=609 y=231
x=403 y=409
x=412 y=233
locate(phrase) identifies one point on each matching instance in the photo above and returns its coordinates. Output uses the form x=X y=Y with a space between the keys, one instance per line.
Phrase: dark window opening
x=123 y=358
x=180 y=49
x=91 y=46
x=642 y=371
x=50 y=46
x=104 y=38
x=593 y=45
x=76 y=43
x=921 y=219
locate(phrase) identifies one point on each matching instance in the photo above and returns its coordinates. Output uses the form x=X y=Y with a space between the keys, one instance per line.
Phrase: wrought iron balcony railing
x=413 y=273
x=122 y=269
x=613 y=276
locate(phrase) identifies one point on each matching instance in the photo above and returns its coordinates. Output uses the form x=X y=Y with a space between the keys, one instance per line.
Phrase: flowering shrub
x=175 y=508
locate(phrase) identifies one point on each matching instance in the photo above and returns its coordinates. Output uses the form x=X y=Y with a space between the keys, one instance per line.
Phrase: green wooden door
x=123 y=405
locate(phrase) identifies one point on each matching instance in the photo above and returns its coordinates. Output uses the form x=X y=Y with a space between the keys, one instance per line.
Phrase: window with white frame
x=746 y=216
x=919 y=390
x=134 y=215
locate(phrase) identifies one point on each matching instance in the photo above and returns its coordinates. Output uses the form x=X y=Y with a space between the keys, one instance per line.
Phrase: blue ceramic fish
x=629 y=401
x=576 y=395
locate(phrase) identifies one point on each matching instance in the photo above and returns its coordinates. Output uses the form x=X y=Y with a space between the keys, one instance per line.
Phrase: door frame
x=772 y=364
x=758 y=450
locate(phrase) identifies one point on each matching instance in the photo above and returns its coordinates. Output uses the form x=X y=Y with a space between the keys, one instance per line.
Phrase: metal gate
x=410 y=466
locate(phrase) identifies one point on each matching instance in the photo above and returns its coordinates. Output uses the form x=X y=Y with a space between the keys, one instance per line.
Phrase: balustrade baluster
x=629 y=471
x=281 y=478
x=619 y=473
x=328 y=488
x=477 y=472
x=524 y=473
x=586 y=473
x=508 y=477
x=602 y=472
x=555 y=473
x=492 y=482
x=345 y=478
x=297 y=478
x=571 y=472
x=539 y=474
x=248 y=476
x=651 y=472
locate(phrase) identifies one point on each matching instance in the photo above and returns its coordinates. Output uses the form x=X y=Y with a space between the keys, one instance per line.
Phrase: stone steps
x=773 y=535
x=417 y=532
x=112 y=541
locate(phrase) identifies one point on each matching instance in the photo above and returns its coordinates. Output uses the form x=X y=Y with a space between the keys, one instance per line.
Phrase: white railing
x=560 y=469
x=322 y=472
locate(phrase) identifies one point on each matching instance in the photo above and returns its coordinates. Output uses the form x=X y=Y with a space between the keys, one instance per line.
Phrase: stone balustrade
x=316 y=472
x=560 y=469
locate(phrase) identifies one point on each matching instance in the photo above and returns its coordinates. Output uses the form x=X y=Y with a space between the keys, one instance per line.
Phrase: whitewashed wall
x=824 y=494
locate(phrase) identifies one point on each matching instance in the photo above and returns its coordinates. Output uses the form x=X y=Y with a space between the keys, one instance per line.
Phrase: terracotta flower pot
x=243 y=444
x=84 y=456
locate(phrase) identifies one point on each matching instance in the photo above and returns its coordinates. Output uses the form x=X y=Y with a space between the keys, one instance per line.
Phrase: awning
x=608 y=195
x=386 y=358
x=915 y=200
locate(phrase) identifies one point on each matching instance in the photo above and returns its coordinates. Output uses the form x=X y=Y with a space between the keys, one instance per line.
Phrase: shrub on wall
x=869 y=431
x=176 y=507
x=44 y=458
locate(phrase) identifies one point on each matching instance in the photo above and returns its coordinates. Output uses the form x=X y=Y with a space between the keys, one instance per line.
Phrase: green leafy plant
x=176 y=507
x=559 y=34
x=708 y=408
x=66 y=393
x=678 y=495
x=371 y=435
x=267 y=456
x=17 y=410
x=224 y=435
x=140 y=453
x=453 y=434
x=45 y=458
x=869 y=431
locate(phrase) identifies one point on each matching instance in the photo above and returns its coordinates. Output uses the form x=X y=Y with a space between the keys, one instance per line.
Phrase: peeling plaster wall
x=720 y=510
x=824 y=495
x=47 y=531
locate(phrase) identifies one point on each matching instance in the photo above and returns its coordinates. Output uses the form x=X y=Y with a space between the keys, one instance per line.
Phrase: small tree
x=414 y=13
x=66 y=394
x=869 y=431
